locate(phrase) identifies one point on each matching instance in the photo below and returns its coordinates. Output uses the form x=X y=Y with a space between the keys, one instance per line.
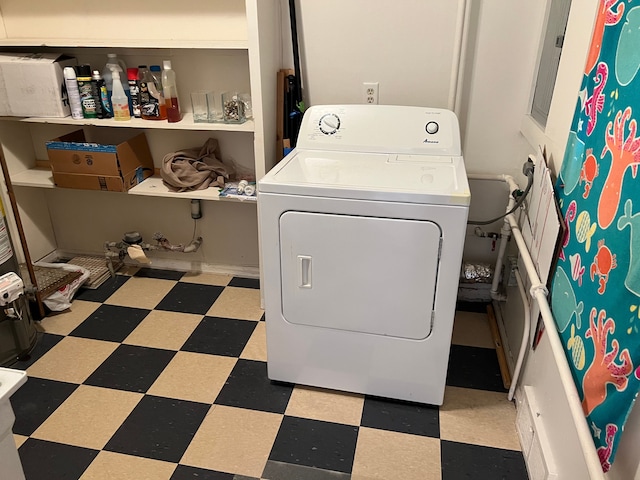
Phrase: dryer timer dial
x=329 y=123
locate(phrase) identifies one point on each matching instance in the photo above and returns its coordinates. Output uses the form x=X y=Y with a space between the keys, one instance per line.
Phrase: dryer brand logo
x=426 y=140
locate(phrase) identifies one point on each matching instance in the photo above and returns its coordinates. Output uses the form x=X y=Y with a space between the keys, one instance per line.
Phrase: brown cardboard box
x=92 y=166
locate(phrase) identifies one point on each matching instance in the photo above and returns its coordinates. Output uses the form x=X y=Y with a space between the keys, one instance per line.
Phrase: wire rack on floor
x=97 y=266
x=50 y=279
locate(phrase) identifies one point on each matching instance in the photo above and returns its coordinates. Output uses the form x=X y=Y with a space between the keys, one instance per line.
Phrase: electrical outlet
x=370 y=92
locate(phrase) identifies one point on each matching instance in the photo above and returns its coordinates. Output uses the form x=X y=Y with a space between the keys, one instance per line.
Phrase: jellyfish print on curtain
x=595 y=294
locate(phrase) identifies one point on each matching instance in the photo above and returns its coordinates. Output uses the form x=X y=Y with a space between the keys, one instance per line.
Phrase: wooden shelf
x=186 y=123
x=153 y=187
x=35 y=177
x=150 y=187
x=126 y=43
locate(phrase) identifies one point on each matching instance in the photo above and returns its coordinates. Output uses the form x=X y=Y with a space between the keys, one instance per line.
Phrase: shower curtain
x=595 y=294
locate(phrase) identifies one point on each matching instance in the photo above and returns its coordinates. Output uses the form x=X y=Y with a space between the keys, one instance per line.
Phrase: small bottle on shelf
x=170 y=92
x=100 y=89
x=71 y=83
x=157 y=91
x=87 y=100
x=132 y=77
x=119 y=100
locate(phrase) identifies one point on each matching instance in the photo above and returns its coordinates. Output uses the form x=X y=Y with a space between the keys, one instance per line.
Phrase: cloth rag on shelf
x=195 y=168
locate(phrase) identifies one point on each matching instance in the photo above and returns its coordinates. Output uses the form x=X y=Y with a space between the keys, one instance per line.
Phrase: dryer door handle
x=304 y=271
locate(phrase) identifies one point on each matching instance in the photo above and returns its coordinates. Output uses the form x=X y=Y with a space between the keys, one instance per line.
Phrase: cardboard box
x=92 y=166
x=32 y=85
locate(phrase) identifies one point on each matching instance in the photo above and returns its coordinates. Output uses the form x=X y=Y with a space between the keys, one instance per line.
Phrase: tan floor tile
x=72 y=359
x=162 y=329
x=236 y=302
x=110 y=465
x=256 y=347
x=472 y=329
x=128 y=270
x=206 y=278
x=196 y=377
x=233 y=440
x=141 y=292
x=19 y=439
x=326 y=405
x=89 y=417
x=64 y=323
x=382 y=455
x=479 y=417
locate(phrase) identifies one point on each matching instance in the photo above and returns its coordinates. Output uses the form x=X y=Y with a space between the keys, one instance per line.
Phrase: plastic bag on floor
x=61 y=299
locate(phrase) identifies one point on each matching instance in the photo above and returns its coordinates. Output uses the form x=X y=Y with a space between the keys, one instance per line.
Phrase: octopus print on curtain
x=595 y=295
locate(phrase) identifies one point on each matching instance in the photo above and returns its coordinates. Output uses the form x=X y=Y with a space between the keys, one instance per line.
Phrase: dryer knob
x=432 y=127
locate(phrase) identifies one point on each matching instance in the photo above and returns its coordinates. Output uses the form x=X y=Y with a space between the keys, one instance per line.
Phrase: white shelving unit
x=219 y=46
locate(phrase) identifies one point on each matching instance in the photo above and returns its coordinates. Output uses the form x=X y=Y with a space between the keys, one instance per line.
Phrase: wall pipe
x=505 y=231
x=459 y=56
x=539 y=292
x=526 y=334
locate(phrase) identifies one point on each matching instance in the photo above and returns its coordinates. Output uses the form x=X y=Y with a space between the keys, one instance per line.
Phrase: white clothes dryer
x=362 y=228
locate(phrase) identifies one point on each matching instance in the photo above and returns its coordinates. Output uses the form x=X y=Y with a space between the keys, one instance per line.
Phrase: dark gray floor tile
x=399 y=416
x=131 y=368
x=317 y=444
x=159 y=428
x=245 y=282
x=104 y=291
x=47 y=460
x=249 y=387
x=190 y=298
x=184 y=472
x=36 y=400
x=462 y=461
x=289 y=471
x=111 y=323
x=474 y=367
x=220 y=336
x=44 y=343
x=158 y=273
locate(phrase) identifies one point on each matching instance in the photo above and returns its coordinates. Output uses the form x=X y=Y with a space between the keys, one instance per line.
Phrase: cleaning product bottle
x=134 y=91
x=119 y=99
x=149 y=95
x=155 y=89
x=170 y=92
x=99 y=90
x=71 y=83
x=87 y=100
x=114 y=63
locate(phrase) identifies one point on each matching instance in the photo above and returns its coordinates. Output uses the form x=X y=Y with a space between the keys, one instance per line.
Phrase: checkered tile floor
x=162 y=375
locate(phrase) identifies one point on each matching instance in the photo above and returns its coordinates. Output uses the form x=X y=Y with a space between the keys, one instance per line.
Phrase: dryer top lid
x=369 y=176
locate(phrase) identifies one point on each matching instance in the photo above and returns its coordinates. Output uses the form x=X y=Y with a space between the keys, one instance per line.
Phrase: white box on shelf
x=32 y=85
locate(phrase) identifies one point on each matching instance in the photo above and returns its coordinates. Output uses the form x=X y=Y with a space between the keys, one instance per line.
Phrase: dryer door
x=360 y=274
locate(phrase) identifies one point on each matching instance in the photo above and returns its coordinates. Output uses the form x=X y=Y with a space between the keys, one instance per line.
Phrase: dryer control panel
x=380 y=129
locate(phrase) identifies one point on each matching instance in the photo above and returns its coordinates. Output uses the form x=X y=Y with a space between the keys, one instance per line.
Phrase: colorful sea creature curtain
x=595 y=295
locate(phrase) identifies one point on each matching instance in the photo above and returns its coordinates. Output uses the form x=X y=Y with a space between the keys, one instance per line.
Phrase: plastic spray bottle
x=119 y=100
x=71 y=83
x=170 y=92
x=114 y=63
